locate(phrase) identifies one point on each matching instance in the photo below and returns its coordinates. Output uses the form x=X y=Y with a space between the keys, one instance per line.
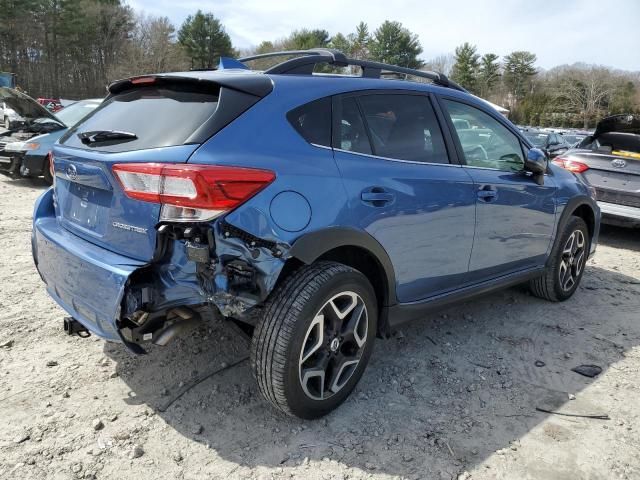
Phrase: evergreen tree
x=519 y=69
x=306 y=39
x=465 y=70
x=204 y=39
x=488 y=73
x=392 y=43
x=360 y=42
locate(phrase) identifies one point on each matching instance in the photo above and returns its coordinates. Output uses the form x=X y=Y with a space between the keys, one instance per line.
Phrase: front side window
x=404 y=127
x=485 y=141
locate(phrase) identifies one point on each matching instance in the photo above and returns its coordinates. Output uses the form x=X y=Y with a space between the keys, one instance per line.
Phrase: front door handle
x=377 y=196
x=487 y=193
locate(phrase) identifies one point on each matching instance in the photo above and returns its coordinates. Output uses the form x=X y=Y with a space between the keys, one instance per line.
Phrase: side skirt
x=396 y=315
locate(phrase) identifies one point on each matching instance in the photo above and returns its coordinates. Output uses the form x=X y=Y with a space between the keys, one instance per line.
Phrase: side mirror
x=536 y=163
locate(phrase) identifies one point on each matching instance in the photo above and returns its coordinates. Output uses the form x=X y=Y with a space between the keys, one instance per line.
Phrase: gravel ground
x=452 y=396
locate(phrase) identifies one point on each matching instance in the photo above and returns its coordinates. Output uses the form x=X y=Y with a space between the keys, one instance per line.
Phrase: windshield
x=538 y=139
x=75 y=112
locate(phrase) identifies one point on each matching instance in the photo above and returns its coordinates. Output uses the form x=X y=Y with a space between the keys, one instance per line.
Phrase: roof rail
x=306 y=61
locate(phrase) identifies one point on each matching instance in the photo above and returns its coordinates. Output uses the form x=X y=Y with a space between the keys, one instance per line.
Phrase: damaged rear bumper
x=122 y=299
x=85 y=280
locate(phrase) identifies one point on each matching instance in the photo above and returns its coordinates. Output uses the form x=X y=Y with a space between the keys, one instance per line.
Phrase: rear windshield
x=613 y=142
x=75 y=112
x=155 y=116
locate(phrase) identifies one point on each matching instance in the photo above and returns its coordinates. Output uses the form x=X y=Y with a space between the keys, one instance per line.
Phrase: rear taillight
x=191 y=193
x=571 y=165
x=51 y=166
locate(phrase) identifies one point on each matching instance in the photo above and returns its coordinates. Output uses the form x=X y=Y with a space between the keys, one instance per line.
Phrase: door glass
x=485 y=141
x=313 y=121
x=352 y=136
x=404 y=127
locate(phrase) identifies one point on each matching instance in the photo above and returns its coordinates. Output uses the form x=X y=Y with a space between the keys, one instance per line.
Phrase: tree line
x=73 y=48
x=575 y=95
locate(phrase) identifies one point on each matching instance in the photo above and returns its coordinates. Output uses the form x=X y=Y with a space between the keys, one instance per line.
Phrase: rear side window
x=404 y=127
x=313 y=121
x=156 y=116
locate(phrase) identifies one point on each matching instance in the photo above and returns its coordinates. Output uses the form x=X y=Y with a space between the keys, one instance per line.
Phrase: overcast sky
x=558 y=32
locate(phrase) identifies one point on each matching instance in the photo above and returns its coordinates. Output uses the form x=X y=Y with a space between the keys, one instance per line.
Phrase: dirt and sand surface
x=454 y=395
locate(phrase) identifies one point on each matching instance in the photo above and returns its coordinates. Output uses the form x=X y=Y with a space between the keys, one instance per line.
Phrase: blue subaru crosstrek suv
x=315 y=210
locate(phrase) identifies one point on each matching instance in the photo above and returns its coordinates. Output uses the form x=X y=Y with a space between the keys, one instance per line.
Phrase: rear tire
x=315 y=339
x=568 y=259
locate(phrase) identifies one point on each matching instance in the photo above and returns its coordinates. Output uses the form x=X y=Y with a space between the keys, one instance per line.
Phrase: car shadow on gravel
x=34 y=182
x=438 y=397
x=620 y=237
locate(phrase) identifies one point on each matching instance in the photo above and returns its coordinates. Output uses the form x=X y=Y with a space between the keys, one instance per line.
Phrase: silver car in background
x=609 y=160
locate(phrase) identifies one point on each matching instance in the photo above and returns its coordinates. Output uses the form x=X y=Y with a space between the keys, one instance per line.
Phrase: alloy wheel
x=573 y=260
x=333 y=345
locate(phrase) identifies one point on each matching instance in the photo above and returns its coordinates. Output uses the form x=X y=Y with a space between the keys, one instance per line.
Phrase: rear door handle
x=488 y=193
x=377 y=196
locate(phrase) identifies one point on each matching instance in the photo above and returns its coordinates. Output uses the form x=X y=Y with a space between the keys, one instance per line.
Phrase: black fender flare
x=311 y=246
x=569 y=208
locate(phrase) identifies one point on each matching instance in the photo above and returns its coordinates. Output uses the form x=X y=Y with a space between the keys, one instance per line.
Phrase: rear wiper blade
x=99 y=136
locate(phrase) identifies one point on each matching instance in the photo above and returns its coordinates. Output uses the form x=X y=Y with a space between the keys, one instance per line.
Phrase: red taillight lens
x=191 y=192
x=143 y=80
x=51 y=165
x=571 y=165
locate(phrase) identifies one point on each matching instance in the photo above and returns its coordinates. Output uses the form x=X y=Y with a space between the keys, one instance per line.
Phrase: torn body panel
x=216 y=264
x=122 y=299
x=246 y=269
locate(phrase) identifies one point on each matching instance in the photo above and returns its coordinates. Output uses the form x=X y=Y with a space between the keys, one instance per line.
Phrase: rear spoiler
x=254 y=84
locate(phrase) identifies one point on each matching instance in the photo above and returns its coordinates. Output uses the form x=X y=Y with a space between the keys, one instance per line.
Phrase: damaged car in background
x=609 y=160
x=26 y=118
x=315 y=211
x=32 y=157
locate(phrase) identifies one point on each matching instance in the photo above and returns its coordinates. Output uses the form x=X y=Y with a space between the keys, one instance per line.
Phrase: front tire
x=315 y=339
x=568 y=259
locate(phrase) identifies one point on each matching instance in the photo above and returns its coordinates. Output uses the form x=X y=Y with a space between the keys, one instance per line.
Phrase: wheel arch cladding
x=585 y=208
x=354 y=248
x=585 y=212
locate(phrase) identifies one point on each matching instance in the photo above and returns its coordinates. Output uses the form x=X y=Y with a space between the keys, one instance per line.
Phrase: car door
x=515 y=216
x=404 y=190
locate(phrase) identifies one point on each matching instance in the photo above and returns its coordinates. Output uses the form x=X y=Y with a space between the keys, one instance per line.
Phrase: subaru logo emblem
x=72 y=172
x=618 y=163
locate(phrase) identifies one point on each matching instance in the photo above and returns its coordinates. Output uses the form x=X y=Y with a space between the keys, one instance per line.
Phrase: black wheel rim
x=572 y=260
x=333 y=345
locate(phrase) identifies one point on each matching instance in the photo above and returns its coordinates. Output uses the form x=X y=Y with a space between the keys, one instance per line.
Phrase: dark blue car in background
x=315 y=210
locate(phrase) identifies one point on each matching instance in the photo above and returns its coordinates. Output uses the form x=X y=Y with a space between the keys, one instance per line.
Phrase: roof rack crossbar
x=335 y=55
x=306 y=61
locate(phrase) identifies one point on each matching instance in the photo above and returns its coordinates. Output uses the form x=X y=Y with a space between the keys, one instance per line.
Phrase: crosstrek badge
x=129 y=228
